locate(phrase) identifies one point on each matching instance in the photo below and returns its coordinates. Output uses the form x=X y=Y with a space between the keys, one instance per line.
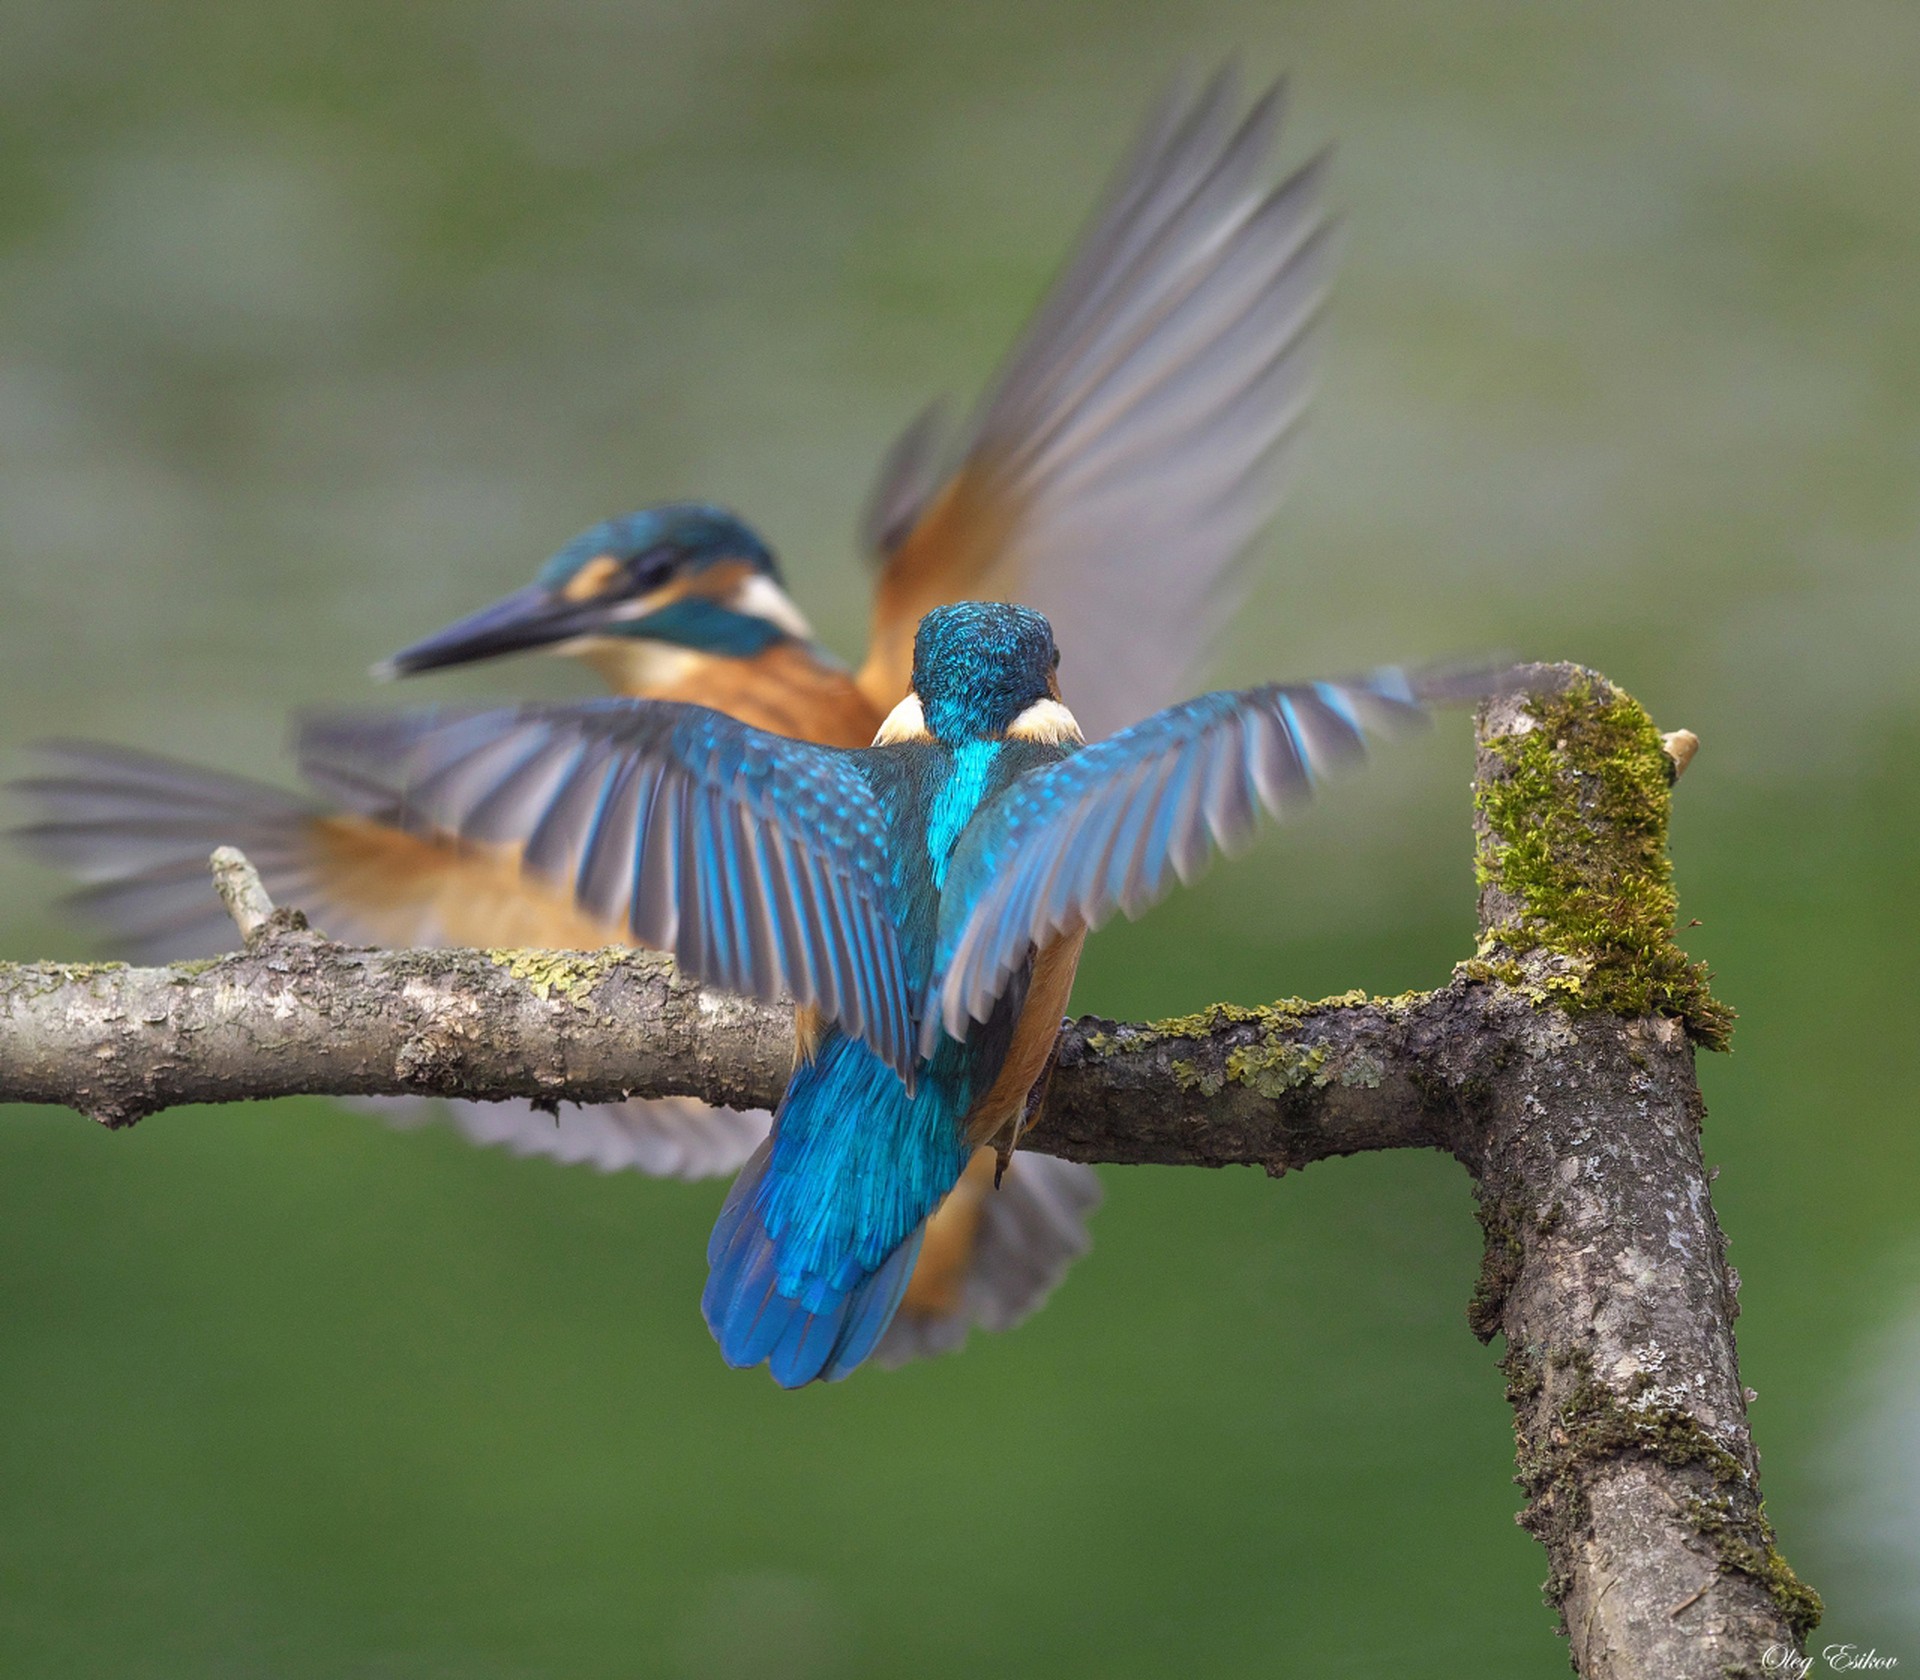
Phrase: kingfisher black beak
x=529 y=618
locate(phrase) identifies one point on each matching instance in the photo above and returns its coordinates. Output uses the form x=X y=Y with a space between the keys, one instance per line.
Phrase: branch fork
x=1556 y=1065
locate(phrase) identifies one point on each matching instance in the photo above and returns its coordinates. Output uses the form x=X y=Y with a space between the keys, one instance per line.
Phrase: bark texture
x=1605 y=1268
x=1557 y=1065
x=294 y=1014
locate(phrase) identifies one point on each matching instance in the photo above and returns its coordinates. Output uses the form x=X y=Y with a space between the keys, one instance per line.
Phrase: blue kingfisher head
x=682 y=578
x=984 y=670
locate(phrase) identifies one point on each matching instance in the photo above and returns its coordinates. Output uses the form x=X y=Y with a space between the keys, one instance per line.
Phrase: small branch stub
x=1680 y=745
x=241 y=891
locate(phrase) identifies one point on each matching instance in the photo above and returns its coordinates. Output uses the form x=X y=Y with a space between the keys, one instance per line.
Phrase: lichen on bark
x=1266 y=1048
x=571 y=974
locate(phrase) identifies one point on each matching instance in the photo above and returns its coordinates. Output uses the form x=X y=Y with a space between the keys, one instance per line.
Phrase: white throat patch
x=634 y=665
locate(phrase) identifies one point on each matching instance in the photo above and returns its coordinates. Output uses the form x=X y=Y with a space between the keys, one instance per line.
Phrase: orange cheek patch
x=719 y=580
x=594 y=578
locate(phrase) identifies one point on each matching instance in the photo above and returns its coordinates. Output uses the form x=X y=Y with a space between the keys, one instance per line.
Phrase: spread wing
x=1112 y=828
x=138 y=828
x=758 y=861
x=1135 y=439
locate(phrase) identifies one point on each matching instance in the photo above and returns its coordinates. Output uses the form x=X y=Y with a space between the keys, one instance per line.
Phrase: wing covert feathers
x=758 y=861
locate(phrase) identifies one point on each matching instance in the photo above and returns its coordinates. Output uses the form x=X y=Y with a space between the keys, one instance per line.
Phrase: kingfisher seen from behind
x=924 y=901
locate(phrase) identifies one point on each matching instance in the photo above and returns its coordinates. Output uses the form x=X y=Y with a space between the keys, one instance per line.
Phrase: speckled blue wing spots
x=1114 y=826
x=759 y=862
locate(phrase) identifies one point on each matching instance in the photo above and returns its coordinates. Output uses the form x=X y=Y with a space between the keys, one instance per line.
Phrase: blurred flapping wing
x=758 y=861
x=1135 y=440
x=138 y=829
x=1114 y=826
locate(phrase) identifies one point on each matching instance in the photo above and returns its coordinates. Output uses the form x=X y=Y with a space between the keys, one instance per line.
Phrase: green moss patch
x=32 y=980
x=1501 y=1257
x=1747 y=1547
x=1576 y=832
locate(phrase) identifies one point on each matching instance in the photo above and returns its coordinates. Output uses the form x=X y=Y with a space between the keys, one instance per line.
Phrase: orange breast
x=397 y=889
x=1054 y=966
x=785 y=689
x=946 y=1252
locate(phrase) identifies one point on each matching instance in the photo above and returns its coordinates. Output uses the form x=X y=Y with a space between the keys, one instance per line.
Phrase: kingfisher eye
x=655 y=568
x=1056 y=659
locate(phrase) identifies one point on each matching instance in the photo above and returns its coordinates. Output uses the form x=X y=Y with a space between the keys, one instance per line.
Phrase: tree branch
x=1557 y=1065
x=296 y=1015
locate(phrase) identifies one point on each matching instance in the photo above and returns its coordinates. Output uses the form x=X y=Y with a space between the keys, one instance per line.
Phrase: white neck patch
x=1046 y=720
x=761 y=597
x=906 y=722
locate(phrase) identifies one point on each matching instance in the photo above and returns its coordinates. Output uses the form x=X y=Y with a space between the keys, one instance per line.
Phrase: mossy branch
x=1577 y=896
x=1556 y=1065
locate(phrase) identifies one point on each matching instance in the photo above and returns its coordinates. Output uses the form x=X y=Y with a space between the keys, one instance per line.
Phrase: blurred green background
x=320 y=322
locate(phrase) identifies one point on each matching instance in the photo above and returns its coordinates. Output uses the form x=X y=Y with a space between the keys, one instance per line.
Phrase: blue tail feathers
x=816 y=1243
x=755 y=1323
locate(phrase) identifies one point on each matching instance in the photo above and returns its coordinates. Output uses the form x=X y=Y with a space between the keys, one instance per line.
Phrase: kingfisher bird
x=1133 y=443
x=923 y=900
x=683 y=601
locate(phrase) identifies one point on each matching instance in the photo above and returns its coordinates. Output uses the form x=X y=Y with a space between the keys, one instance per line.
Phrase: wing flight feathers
x=758 y=861
x=1111 y=829
x=1137 y=438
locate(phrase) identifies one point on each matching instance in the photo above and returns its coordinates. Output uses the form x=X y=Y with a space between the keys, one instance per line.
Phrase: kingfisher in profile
x=1134 y=442
x=923 y=900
